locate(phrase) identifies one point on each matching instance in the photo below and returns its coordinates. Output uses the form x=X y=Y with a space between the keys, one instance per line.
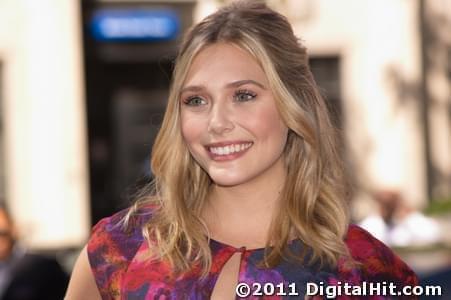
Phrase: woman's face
x=229 y=118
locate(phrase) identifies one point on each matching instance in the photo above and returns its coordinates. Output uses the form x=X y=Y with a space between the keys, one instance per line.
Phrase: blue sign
x=135 y=25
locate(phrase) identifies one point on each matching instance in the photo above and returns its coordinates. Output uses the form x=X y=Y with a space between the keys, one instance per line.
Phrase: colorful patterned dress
x=122 y=270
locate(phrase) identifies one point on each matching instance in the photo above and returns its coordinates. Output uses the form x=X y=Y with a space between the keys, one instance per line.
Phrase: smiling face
x=229 y=119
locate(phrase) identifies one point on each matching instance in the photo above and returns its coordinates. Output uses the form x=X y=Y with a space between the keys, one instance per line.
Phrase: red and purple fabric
x=122 y=269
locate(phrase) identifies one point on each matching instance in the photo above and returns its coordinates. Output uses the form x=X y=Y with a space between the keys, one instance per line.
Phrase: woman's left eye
x=244 y=95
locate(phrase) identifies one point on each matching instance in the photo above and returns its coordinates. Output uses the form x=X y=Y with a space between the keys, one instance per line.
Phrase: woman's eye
x=243 y=96
x=194 y=101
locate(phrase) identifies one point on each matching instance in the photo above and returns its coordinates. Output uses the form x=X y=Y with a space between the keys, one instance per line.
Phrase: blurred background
x=83 y=88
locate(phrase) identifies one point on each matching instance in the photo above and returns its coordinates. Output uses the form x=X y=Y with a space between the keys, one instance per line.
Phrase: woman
x=248 y=183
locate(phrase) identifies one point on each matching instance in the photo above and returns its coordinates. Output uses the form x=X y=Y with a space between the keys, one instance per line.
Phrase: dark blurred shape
x=390 y=204
x=129 y=49
x=441 y=278
x=26 y=276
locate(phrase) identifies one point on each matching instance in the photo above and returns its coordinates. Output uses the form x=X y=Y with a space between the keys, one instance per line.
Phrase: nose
x=220 y=119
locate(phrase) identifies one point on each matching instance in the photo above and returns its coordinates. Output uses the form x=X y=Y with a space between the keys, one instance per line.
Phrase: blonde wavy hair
x=312 y=201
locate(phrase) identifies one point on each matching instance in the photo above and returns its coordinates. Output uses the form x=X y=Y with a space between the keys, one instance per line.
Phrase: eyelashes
x=238 y=96
x=194 y=101
x=244 y=95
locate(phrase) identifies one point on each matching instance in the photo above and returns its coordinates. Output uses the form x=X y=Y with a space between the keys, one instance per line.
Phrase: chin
x=227 y=181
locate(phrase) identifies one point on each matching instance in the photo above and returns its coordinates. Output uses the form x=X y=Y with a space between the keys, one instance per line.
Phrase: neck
x=235 y=214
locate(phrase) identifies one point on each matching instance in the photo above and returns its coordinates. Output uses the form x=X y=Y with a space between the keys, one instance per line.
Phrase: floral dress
x=122 y=269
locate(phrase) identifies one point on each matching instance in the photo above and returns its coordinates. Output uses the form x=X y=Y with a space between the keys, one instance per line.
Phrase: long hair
x=312 y=201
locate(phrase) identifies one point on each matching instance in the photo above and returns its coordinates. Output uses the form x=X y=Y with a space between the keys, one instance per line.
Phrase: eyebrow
x=196 y=88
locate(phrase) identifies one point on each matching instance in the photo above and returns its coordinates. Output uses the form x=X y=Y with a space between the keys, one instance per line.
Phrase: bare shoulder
x=104 y=260
x=82 y=284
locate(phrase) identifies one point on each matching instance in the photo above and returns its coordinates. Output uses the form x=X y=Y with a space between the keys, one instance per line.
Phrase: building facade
x=69 y=102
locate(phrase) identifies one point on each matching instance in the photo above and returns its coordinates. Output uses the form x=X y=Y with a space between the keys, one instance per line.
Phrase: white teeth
x=229 y=149
x=226 y=150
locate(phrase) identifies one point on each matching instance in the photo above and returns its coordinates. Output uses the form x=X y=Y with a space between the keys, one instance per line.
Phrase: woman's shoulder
x=377 y=261
x=122 y=230
x=113 y=243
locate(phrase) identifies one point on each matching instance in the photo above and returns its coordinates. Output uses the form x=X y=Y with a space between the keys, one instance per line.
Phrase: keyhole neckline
x=243 y=249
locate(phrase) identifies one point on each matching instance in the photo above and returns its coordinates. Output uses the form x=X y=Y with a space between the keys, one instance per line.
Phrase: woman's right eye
x=194 y=101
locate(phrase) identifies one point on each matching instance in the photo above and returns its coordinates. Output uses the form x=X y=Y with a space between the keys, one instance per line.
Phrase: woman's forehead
x=221 y=63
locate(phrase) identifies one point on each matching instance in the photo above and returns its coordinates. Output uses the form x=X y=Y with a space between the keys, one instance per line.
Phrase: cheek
x=268 y=125
x=192 y=129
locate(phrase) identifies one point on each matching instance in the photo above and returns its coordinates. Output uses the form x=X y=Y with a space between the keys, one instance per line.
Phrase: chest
x=231 y=268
